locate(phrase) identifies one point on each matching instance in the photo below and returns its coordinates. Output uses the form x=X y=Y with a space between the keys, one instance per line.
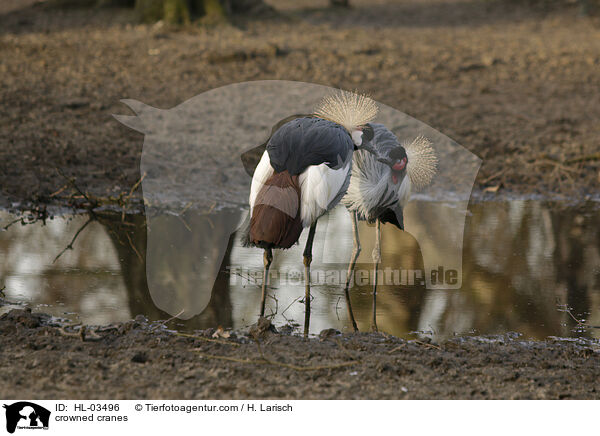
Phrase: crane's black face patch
x=397 y=153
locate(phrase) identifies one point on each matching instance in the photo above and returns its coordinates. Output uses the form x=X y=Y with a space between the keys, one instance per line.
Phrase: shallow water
x=521 y=262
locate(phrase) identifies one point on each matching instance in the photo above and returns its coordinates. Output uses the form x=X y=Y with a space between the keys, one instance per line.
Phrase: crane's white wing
x=321 y=189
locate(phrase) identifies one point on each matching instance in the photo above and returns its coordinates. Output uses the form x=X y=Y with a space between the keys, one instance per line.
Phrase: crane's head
x=396 y=160
x=415 y=159
x=362 y=135
x=352 y=111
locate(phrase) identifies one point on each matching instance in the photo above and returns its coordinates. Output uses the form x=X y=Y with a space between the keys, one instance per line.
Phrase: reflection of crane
x=379 y=189
x=303 y=173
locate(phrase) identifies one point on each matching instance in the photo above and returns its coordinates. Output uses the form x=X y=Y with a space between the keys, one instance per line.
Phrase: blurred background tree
x=585 y=7
x=184 y=11
x=178 y=11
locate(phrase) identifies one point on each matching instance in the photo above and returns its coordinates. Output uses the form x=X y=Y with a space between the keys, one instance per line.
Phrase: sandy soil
x=514 y=83
x=132 y=360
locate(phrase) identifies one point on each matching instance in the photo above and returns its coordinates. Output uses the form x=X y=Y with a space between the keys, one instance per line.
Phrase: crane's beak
x=385 y=160
x=366 y=145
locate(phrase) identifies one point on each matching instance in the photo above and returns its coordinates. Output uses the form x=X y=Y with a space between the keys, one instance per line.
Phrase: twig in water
x=22 y=220
x=567 y=310
x=336 y=308
x=70 y=246
x=276 y=305
x=186 y=207
x=128 y=197
x=180 y=217
x=134 y=249
x=248 y=277
x=162 y=323
x=290 y=305
x=33 y=216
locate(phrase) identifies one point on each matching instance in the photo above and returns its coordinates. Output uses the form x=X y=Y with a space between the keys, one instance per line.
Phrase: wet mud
x=140 y=360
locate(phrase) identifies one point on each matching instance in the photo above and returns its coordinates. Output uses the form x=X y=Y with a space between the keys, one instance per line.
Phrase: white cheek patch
x=357 y=137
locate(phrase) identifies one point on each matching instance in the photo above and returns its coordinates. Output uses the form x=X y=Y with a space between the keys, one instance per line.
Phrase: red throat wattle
x=396 y=168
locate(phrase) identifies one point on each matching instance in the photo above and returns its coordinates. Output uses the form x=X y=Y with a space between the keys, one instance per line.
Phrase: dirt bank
x=516 y=85
x=135 y=360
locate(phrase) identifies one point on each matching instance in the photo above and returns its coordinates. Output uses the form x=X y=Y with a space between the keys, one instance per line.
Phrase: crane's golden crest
x=348 y=109
x=422 y=161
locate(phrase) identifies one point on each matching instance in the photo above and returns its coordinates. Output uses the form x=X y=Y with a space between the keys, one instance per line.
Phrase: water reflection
x=520 y=260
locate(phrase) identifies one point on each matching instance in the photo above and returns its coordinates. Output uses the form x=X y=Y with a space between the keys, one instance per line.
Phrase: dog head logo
x=26 y=415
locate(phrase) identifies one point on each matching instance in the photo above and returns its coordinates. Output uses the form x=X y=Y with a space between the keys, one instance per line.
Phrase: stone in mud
x=262 y=329
x=140 y=357
x=25 y=318
x=329 y=333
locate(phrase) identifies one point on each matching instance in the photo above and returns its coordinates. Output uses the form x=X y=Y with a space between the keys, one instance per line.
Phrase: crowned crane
x=303 y=173
x=380 y=187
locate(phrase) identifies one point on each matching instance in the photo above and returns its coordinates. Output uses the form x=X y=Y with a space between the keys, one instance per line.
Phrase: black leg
x=267 y=259
x=307 y=261
x=355 y=253
x=376 y=260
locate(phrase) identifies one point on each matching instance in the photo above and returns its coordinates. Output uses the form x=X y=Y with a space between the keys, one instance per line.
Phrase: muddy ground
x=133 y=360
x=515 y=82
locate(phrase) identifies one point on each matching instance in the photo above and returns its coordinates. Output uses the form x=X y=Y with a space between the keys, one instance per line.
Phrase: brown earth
x=132 y=360
x=515 y=82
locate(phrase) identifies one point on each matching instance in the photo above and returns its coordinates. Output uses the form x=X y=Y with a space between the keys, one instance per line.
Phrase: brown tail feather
x=275 y=220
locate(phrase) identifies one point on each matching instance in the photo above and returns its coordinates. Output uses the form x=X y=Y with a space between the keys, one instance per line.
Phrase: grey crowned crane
x=380 y=187
x=303 y=173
